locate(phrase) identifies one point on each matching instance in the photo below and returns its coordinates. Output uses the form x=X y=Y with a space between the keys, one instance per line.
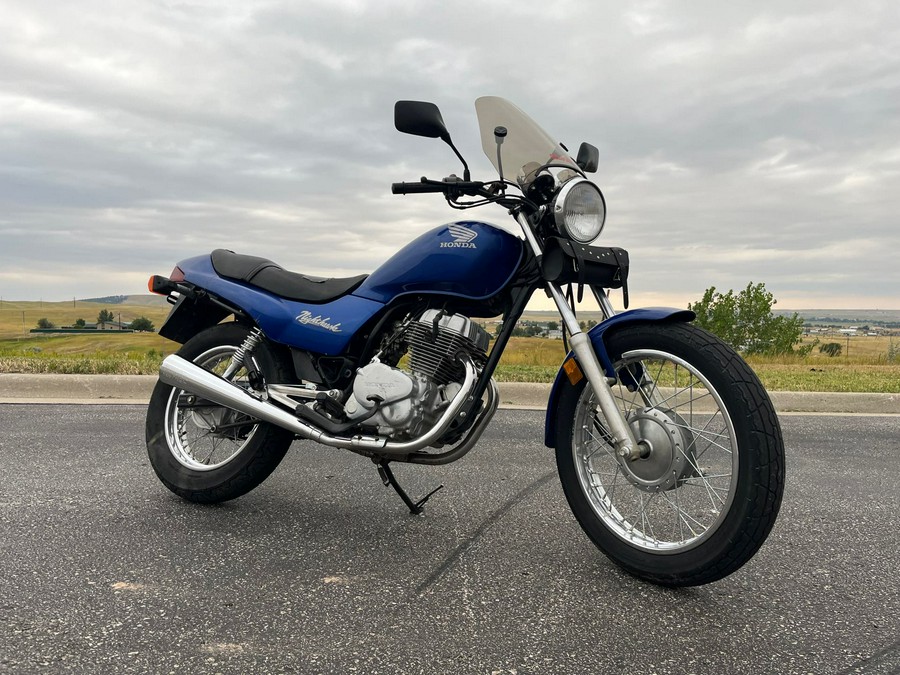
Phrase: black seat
x=271 y=277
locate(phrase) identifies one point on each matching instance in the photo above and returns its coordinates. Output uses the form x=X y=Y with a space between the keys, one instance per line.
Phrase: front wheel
x=706 y=490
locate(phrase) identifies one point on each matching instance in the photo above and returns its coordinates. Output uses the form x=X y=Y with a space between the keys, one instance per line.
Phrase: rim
x=679 y=492
x=202 y=435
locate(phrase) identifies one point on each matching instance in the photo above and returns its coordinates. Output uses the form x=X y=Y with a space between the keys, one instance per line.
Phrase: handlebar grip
x=415 y=188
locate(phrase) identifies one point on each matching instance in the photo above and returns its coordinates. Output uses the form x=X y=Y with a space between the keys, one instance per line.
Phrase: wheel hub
x=666 y=450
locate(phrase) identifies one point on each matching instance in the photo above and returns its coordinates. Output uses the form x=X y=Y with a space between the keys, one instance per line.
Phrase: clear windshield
x=526 y=146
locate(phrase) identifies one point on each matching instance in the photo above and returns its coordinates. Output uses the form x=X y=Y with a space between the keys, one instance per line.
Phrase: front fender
x=596 y=334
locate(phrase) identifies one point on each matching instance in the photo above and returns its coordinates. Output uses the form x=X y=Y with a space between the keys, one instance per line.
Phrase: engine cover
x=403 y=404
x=393 y=392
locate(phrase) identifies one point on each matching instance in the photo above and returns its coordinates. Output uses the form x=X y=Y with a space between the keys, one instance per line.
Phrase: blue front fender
x=645 y=315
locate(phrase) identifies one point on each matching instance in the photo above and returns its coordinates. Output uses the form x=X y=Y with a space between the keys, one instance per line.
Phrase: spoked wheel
x=203 y=435
x=705 y=491
x=205 y=452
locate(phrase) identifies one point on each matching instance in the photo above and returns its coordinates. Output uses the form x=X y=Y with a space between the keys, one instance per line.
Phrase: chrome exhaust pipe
x=183 y=374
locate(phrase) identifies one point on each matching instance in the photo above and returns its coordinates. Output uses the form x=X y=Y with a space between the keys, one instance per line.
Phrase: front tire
x=705 y=493
x=204 y=452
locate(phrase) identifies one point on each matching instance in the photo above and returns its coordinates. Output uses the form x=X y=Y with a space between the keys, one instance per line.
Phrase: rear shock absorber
x=238 y=359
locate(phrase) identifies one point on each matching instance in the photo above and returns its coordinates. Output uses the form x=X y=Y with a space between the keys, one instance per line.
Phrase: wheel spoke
x=672 y=395
x=206 y=434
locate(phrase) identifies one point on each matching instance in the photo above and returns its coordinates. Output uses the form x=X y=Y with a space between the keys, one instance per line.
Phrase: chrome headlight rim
x=559 y=209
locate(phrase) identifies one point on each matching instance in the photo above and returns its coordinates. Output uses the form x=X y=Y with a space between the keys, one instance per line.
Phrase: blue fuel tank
x=467 y=259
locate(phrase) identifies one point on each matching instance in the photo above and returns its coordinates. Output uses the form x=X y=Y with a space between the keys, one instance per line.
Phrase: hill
x=888 y=318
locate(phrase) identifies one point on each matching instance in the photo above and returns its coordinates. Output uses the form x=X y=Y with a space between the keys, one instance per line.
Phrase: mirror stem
x=466 y=174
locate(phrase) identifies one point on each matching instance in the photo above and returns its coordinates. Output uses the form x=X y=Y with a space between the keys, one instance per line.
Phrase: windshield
x=526 y=146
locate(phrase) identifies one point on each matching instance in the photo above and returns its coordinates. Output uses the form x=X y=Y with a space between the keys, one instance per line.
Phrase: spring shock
x=247 y=346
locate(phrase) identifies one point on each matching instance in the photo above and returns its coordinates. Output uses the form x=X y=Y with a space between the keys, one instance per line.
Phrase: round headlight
x=579 y=210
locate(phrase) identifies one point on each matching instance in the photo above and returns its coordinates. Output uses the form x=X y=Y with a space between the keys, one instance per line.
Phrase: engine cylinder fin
x=436 y=340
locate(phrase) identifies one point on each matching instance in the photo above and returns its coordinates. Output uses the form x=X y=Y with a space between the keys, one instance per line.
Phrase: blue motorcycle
x=668 y=448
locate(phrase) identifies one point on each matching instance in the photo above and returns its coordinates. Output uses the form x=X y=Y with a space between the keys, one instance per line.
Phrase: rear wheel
x=205 y=452
x=704 y=494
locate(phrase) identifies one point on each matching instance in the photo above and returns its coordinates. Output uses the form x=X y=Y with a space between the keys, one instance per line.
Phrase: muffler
x=183 y=374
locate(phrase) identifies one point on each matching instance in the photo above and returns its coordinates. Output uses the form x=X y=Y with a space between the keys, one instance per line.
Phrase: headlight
x=579 y=210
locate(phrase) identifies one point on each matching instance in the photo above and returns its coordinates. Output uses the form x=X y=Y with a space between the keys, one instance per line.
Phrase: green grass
x=866 y=369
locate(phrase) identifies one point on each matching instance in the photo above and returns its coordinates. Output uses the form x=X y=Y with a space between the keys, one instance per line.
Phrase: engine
x=404 y=404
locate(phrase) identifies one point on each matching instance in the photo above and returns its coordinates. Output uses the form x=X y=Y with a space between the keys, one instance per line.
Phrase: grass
x=863 y=366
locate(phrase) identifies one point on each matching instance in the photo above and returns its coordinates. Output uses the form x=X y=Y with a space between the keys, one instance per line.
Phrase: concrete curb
x=135 y=389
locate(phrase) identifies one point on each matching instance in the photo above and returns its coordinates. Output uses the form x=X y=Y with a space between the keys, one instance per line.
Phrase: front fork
x=623 y=439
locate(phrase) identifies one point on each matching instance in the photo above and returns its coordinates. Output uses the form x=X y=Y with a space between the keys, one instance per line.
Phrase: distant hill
x=108 y=300
x=146 y=299
x=889 y=318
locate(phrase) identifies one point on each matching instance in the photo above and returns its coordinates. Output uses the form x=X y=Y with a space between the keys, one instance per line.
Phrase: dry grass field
x=103 y=352
x=863 y=365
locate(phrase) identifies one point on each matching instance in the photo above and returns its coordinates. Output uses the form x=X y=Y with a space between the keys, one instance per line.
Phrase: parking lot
x=321 y=569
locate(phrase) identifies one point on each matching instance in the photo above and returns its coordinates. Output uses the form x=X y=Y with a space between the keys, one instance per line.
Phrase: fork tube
x=623 y=439
x=603 y=300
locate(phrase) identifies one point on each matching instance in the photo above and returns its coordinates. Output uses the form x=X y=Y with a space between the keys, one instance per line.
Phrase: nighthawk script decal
x=306 y=318
x=462 y=237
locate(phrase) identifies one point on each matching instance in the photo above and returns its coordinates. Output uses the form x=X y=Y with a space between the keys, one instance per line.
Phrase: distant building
x=108 y=325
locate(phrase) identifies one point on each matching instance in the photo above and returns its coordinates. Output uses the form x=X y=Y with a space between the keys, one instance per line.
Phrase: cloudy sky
x=739 y=141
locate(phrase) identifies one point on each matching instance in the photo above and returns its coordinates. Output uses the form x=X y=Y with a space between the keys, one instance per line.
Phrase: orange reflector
x=150 y=284
x=573 y=371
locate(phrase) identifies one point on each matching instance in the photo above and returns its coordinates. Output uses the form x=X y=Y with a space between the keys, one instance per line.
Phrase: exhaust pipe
x=183 y=374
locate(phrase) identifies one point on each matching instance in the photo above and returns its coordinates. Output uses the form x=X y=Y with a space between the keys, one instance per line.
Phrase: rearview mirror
x=420 y=119
x=588 y=158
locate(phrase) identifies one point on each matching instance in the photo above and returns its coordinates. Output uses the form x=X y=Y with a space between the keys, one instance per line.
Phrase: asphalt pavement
x=321 y=570
x=136 y=389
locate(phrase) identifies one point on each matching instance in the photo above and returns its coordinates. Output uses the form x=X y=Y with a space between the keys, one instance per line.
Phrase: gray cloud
x=738 y=142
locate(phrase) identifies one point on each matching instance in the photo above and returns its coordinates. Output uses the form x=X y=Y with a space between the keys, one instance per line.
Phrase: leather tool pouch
x=568 y=262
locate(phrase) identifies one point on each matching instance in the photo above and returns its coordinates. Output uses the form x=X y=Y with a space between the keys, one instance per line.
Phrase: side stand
x=387 y=477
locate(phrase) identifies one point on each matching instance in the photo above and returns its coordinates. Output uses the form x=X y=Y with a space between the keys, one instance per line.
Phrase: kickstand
x=387 y=477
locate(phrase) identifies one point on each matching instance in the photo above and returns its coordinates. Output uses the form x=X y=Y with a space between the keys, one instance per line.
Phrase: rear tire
x=705 y=496
x=204 y=452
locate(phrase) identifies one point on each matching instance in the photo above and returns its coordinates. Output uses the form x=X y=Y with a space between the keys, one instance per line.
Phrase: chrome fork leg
x=623 y=440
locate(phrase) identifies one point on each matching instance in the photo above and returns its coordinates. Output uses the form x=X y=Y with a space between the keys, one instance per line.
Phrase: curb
x=136 y=389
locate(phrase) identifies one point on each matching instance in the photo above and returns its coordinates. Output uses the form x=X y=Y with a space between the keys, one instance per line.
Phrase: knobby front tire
x=705 y=493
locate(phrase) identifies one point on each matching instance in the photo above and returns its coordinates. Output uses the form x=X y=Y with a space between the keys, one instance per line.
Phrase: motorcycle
x=668 y=448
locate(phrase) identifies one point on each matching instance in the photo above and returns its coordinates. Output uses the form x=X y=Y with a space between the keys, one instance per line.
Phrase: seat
x=271 y=277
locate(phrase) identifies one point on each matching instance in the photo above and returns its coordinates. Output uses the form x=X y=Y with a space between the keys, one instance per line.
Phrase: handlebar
x=416 y=188
x=448 y=187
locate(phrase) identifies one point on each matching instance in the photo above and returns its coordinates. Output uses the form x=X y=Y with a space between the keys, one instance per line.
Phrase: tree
x=44 y=323
x=745 y=321
x=105 y=316
x=831 y=348
x=142 y=323
x=552 y=325
x=79 y=323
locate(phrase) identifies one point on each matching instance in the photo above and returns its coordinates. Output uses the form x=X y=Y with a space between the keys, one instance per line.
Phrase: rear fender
x=597 y=335
x=190 y=315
